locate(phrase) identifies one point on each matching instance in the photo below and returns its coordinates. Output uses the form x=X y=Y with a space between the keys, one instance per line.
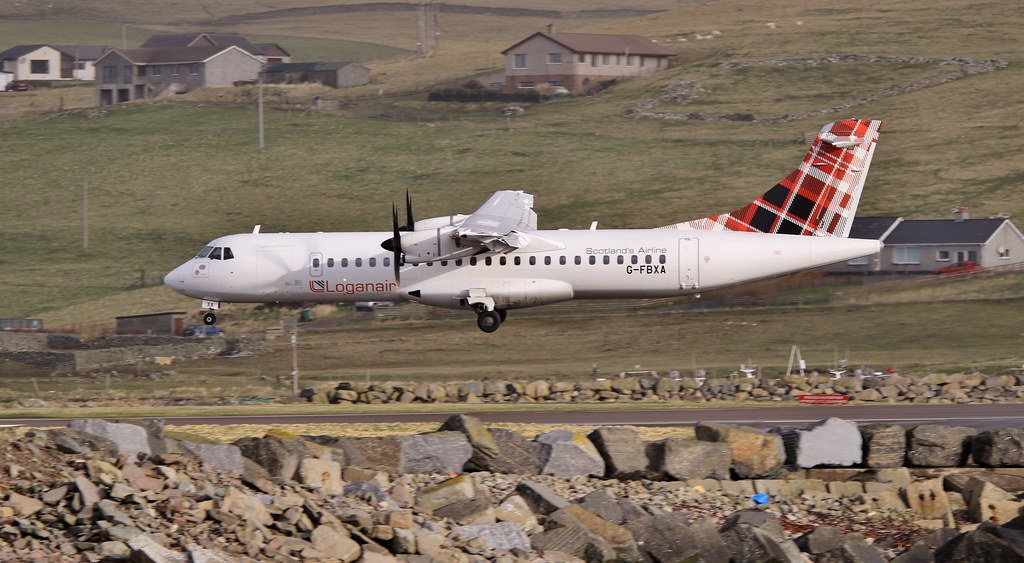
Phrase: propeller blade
x=410 y=223
x=396 y=244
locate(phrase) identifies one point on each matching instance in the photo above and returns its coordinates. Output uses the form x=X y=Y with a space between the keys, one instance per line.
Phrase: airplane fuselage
x=591 y=264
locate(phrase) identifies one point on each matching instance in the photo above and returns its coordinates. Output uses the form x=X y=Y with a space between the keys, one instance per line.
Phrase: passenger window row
x=489 y=261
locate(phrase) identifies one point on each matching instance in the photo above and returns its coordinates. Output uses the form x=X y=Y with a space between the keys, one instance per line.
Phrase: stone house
x=579 y=62
x=126 y=75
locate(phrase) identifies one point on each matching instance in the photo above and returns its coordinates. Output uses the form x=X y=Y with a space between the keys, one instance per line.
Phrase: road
x=982 y=417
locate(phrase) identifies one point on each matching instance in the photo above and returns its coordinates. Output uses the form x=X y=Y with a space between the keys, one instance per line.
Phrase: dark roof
x=172 y=40
x=19 y=50
x=80 y=52
x=171 y=55
x=873 y=228
x=945 y=231
x=270 y=48
x=601 y=43
x=306 y=67
x=83 y=52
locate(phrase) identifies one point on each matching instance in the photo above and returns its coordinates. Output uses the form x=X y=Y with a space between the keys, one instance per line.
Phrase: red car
x=960 y=267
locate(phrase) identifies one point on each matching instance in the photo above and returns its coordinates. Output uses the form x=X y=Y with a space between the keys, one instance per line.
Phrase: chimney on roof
x=960 y=213
x=551 y=28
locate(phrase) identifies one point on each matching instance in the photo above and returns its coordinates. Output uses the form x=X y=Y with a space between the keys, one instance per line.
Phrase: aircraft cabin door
x=316 y=264
x=689 y=263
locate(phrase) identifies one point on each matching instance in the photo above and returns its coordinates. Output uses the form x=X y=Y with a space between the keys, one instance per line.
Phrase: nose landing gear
x=209 y=318
x=490 y=321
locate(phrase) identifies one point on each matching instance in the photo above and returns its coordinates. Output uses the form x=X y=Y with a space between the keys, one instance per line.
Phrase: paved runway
x=982 y=417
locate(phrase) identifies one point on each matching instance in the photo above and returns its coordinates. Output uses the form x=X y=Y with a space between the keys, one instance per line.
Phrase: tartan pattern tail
x=820 y=197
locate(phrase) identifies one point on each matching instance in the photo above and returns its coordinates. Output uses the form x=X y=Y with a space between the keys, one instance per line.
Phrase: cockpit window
x=215 y=255
x=228 y=255
x=205 y=252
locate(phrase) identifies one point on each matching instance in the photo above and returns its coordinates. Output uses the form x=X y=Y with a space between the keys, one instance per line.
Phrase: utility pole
x=259 y=106
x=295 y=360
x=85 y=212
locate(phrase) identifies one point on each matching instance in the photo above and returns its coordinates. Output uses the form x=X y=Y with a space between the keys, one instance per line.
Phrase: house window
x=554 y=58
x=193 y=69
x=526 y=84
x=606 y=59
x=127 y=73
x=1003 y=253
x=942 y=256
x=906 y=255
x=618 y=60
x=110 y=74
x=39 y=66
x=555 y=83
x=583 y=57
x=154 y=70
x=174 y=70
x=593 y=60
x=862 y=261
x=631 y=60
x=661 y=62
x=140 y=71
x=520 y=60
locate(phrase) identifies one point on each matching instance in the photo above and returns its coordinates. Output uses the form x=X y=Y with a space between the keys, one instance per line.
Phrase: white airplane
x=495 y=259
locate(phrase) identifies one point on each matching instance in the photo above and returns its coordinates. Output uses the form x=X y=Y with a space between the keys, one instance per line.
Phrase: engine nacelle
x=435 y=244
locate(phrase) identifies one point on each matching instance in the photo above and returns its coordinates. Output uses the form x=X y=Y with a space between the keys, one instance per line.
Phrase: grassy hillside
x=165 y=178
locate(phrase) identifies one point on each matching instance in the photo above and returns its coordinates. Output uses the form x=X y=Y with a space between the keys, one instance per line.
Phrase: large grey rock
x=885 y=445
x=279 y=456
x=831 y=442
x=566 y=454
x=225 y=457
x=446 y=492
x=931 y=445
x=476 y=510
x=438 y=452
x=756 y=535
x=821 y=539
x=623 y=452
x=852 y=552
x=689 y=459
x=601 y=535
x=77 y=442
x=128 y=438
x=498 y=450
x=978 y=546
x=669 y=537
x=755 y=454
x=541 y=499
x=603 y=504
x=503 y=535
x=145 y=549
x=999 y=448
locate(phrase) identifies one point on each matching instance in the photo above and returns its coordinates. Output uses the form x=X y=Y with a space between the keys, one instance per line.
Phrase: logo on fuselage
x=345 y=288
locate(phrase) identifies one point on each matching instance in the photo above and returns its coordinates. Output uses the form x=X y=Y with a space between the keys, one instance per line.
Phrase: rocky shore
x=830 y=491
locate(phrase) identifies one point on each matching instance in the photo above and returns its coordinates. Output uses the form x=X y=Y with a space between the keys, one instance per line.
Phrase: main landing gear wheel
x=502 y=314
x=209 y=318
x=488 y=321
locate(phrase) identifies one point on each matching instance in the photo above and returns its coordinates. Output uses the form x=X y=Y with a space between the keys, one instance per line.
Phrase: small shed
x=341 y=74
x=153 y=323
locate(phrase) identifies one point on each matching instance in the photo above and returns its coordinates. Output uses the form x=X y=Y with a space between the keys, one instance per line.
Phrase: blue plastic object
x=761 y=498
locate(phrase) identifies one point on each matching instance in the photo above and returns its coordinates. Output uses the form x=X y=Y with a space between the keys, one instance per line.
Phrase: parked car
x=202 y=330
x=372 y=305
x=18 y=86
x=960 y=267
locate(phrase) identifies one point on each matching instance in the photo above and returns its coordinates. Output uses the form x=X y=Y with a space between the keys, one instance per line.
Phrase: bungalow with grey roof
x=135 y=74
x=926 y=245
x=268 y=53
x=51 y=63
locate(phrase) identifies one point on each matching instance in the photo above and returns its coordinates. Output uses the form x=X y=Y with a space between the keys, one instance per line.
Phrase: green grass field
x=165 y=178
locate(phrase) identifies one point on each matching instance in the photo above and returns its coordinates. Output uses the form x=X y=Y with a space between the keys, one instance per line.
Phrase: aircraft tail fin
x=820 y=197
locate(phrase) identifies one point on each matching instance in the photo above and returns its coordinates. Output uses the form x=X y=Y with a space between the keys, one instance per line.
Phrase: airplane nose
x=176 y=278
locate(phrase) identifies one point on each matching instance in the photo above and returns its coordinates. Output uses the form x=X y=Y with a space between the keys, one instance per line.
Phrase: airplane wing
x=501 y=223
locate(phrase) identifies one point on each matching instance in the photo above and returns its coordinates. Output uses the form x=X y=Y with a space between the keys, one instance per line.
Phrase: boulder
x=446 y=492
x=670 y=537
x=821 y=540
x=988 y=503
x=225 y=457
x=622 y=451
x=978 y=546
x=591 y=537
x=438 y=452
x=127 y=438
x=689 y=459
x=503 y=535
x=277 y=455
x=932 y=445
x=541 y=499
x=929 y=499
x=831 y=442
x=885 y=445
x=755 y=453
x=476 y=510
x=566 y=454
x=999 y=448
x=497 y=451
x=323 y=475
x=757 y=535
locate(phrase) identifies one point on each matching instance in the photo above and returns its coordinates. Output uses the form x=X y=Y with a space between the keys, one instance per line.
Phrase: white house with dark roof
x=52 y=63
x=126 y=75
x=925 y=245
x=580 y=62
